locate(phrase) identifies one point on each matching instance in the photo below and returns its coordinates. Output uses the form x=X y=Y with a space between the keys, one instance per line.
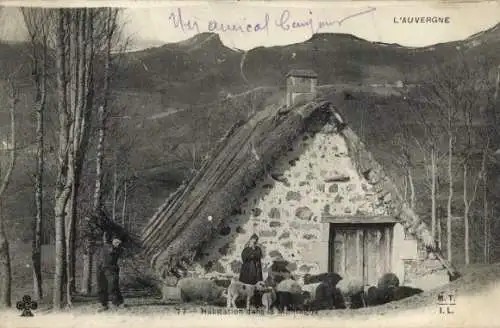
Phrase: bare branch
x=481 y=174
x=13 y=99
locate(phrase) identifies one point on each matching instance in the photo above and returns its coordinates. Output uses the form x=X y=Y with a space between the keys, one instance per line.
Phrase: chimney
x=300 y=87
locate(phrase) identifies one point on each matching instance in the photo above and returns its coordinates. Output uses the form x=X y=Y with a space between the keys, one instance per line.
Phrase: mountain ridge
x=191 y=39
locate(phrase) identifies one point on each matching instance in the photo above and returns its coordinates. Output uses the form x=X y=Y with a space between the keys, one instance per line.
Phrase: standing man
x=109 y=275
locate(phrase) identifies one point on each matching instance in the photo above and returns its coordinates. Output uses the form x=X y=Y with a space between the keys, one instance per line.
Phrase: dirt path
x=475 y=280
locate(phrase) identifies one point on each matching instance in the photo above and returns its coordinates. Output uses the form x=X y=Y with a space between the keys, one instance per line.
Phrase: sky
x=150 y=23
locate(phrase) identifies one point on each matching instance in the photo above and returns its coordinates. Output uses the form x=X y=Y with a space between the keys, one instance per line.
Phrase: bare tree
x=493 y=131
x=407 y=163
x=76 y=50
x=430 y=147
x=64 y=180
x=115 y=191
x=451 y=94
x=124 y=203
x=110 y=33
x=432 y=161
x=5 y=266
x=468 y=200
x=474 y=98
x=37 y=21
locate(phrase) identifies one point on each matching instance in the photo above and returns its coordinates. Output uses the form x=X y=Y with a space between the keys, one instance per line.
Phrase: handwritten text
x=283 y=22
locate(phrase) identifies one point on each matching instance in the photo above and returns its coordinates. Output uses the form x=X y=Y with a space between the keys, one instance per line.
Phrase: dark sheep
x=358 y=301
x=308 y=303
x=277 y=273
x=378 y=296
x=289 y=295
x=275 y=278
x=290 y=301
x=385 y=287
x=330 y=278
x=371 y=296
x=338 y=299
x=319 y=296
x=384 y=295
x=402 y=292
x=387 y=281
x=284 y=300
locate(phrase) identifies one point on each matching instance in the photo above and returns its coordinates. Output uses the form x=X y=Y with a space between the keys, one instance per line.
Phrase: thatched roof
x=181 y=226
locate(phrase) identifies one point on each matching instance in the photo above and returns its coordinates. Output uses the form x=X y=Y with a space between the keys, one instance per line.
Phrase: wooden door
x=347 y=252
x=360 y=251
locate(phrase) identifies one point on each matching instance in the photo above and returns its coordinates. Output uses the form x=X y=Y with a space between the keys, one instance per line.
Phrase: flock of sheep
x=316 y=292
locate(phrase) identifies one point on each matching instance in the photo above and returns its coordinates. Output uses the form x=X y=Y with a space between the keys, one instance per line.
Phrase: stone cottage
x=300 y=178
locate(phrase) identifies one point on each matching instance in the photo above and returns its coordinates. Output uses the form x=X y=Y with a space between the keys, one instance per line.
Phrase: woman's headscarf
x=254 y=236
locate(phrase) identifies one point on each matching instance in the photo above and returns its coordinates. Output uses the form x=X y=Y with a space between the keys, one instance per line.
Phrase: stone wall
x=425 y=273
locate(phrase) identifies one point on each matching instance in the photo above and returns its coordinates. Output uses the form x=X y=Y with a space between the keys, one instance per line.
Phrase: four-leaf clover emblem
x=26 y=305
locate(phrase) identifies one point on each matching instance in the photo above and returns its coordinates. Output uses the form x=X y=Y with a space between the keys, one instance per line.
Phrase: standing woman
x=251 y=269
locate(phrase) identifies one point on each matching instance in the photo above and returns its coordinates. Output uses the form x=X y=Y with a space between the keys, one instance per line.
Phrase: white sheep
x=197 y=289
x=349 y=288
x=289 y=286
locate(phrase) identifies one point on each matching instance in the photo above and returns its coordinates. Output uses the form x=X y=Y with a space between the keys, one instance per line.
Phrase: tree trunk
x=89 y=244
x=486 y=220
x=440 y=232
x=83 y=84
x=115 y=187
x=41 y=87
x=71 y=241
x=60 y=251
x=124 y=203
x=466 y=218
x=488 y=237
x=405 y=188
x=433 y=193
x=5 y=266
x=450 y=197
x=63 y=183
x=5 y=269
x=412 y=189
x=74 y=92
x=496 y=119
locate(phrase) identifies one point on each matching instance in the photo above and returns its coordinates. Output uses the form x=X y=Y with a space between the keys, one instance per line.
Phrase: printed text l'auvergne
x=421 y=20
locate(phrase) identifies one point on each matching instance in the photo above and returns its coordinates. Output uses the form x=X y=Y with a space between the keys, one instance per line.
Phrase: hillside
x=177 y=99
